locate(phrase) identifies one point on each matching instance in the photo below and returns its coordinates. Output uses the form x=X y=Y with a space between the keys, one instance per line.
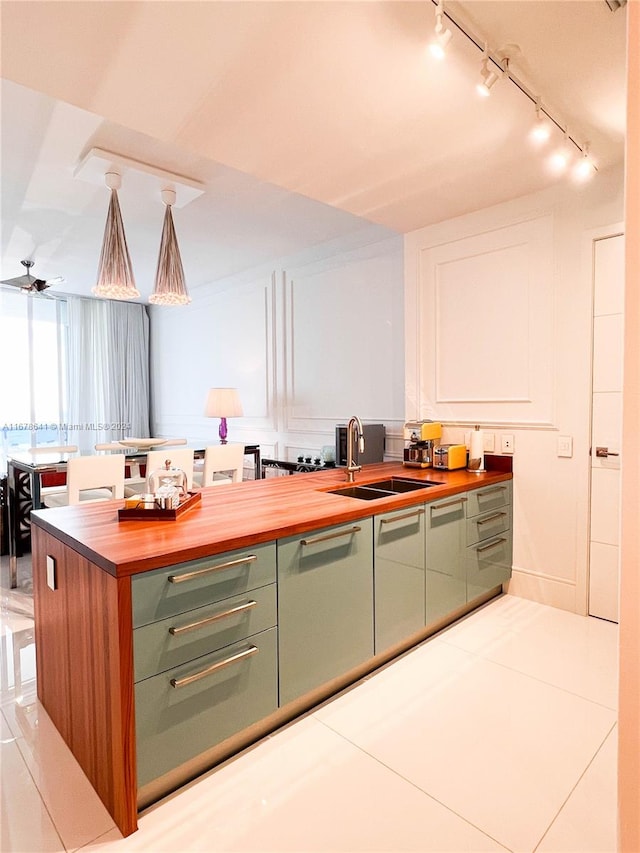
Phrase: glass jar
x=168 y=485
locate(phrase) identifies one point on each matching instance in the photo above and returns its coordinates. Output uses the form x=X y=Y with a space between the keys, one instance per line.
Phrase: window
x=33 y=341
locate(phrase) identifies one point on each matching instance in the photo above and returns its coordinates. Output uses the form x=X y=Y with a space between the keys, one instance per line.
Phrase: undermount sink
x=382 y=488
x=400 y=484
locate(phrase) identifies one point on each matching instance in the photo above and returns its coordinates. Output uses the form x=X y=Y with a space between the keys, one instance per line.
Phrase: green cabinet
x=205 y=655
x=325 y=605
x=489 y=538
x=220 y=643
x=399 y=575
x=446 y=579
x=187 y=710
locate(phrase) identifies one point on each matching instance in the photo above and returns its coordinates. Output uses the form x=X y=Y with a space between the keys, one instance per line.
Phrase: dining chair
x=52 y=483
x=181 y=458
x=223 y=464
x=90 y=479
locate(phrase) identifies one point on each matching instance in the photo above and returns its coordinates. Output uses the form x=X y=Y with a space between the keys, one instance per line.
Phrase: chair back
x=181 y=458
x=223 y=458
x=94 y=472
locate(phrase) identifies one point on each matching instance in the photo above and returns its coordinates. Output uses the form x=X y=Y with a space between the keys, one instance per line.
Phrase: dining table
x=27 y=471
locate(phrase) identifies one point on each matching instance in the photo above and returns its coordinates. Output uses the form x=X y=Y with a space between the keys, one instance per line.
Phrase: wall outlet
x=489 y=442
x=507 y=443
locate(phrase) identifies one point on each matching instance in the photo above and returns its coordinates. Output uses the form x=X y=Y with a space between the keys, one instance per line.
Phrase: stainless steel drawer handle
x=491 y=518
x=215 y=667
x=201 y=623
x=415 y=514
x=486 y=492
x=449 y=503
x=189 y=576
x=351 y=531
x=490 y=545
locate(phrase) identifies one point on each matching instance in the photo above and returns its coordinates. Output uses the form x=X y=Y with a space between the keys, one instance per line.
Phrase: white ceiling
x=306 y=121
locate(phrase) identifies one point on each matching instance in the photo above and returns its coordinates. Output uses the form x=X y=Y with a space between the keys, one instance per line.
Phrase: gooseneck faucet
x=354 y=428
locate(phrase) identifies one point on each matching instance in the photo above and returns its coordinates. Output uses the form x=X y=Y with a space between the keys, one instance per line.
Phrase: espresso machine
x=421 y=437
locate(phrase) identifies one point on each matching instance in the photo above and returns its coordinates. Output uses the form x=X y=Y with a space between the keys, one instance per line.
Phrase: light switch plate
x=565 y=445
x=51 y=572
x=489 y=442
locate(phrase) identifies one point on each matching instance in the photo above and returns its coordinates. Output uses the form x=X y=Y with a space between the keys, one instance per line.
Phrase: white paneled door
x=606 y=426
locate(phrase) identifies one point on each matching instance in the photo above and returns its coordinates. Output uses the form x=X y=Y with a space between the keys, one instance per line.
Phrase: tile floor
x=498 y=734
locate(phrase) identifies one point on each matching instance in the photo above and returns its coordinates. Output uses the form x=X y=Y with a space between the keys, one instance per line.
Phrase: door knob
x=604 y=452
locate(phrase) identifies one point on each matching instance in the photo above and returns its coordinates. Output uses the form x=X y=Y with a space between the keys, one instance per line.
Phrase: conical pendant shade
x=115 y=274
x=170 y=287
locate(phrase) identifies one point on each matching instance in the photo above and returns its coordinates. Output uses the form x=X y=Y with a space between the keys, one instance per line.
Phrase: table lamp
x=223 y=403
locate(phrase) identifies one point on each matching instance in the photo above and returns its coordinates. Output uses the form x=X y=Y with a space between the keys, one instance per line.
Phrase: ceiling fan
x=30 y=283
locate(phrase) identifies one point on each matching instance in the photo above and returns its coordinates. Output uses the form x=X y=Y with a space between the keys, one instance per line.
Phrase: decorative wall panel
x=345 y=329
x=474 y=366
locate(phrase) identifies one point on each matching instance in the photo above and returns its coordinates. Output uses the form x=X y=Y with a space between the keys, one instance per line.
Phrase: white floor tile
x=72 y=803
x=305 y=789
x=587 y=822
x=26 y=824
x=576 y=653
x=502 y=749
x=486 y=733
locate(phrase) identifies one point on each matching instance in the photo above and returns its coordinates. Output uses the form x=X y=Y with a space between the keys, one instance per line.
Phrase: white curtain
x=108 y=371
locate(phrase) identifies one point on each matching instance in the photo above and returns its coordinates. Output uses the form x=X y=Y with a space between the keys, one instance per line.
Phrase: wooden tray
x=156 y=514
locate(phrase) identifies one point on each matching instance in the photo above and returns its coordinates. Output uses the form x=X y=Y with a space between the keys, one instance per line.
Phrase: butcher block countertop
x=240 y=515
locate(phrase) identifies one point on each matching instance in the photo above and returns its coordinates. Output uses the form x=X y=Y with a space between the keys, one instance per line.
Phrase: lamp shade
x=115 y=275
x=170 y=287
x=223 y=403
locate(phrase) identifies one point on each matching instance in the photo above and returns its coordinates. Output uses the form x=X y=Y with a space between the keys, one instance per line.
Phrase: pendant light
x=170 y=287
x=115 y=274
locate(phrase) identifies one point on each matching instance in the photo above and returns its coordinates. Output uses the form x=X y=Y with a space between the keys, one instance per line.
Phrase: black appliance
x=373 y=445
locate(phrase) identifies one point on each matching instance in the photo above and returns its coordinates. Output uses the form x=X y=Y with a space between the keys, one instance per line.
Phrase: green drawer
x=177 y=723
x=173 y=641
x=185 y=586
x=488 y=565
x=489 y=497
x=488 y=525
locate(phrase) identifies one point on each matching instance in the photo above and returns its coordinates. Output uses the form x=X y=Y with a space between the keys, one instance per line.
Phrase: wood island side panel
x=84 y=666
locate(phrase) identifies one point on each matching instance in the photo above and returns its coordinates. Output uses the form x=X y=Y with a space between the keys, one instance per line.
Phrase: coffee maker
x=421 y=436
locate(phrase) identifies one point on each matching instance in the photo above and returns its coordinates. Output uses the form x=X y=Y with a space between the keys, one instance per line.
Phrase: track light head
x=489 y=79
x=442 y=35
x=541 y=130
x=561 y=158
x=584 y=169
x=490 y=75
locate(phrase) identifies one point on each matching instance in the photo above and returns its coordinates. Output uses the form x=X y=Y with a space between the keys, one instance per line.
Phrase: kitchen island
x=163 y=647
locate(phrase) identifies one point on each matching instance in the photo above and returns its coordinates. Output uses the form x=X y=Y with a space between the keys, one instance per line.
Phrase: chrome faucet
x=354 y=427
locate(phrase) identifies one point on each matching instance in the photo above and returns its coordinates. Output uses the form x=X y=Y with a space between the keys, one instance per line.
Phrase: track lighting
x=495 y=67
x=541 y=130
x=442 y=35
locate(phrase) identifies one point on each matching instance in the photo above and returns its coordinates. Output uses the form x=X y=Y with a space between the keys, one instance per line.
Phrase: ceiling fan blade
x=19 y=281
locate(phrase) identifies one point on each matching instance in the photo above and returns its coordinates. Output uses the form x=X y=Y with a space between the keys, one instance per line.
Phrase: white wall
x=498 y=310
x=308 y=341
